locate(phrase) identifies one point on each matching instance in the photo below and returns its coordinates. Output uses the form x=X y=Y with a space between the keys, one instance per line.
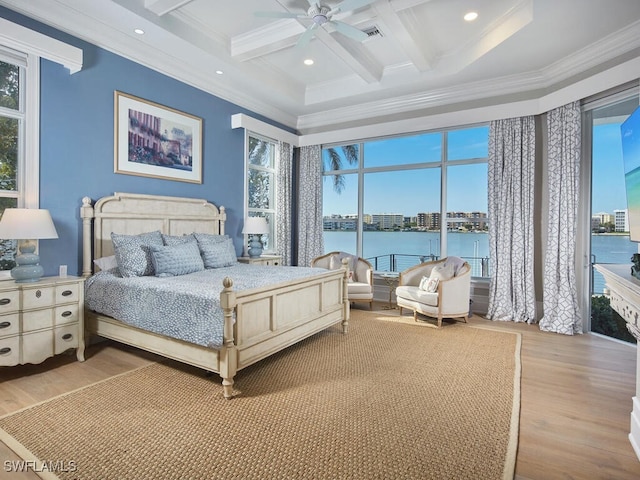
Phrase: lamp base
x=28 y=268
x=255 y=247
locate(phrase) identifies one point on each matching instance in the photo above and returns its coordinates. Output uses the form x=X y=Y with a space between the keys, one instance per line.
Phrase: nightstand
x=41 y=319
x=262 y=260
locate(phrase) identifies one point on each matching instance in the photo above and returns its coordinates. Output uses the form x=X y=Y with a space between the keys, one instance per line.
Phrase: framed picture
x=152 y=140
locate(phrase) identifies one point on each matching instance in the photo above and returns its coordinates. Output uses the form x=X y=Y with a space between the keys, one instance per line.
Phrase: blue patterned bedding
x=186 y=307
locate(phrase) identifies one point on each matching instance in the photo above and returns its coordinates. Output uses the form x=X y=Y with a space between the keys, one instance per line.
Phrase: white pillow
x=335 y=263
x=429 y=284
x=106 y=263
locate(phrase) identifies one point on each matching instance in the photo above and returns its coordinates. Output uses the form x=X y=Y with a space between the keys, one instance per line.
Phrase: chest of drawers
x=41 y=319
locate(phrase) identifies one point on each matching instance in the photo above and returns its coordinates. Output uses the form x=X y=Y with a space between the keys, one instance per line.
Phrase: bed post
x=228 y=352
x=86 y=213
x=345 y=296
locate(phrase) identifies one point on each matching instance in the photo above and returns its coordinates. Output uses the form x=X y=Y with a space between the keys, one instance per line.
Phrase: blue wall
x=77 y=142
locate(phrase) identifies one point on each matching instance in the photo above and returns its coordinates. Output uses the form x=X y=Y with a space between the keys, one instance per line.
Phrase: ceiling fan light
x=320 y=19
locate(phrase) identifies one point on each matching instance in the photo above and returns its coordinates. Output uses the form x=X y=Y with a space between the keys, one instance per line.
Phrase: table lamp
x=256 y=227
x=27 y=225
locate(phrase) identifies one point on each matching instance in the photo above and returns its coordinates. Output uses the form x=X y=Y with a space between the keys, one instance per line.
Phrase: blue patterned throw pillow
x=218 y=254
x=178 y=239
x=133 y=252
x=173 y=260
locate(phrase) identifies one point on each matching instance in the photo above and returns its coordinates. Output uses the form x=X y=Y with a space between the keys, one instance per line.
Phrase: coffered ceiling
x=419 y=55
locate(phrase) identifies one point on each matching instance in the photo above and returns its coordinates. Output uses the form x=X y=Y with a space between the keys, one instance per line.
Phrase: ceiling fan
x=321 y=14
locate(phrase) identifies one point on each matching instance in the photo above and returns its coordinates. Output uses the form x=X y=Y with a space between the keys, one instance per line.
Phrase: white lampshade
x=27 y=224
x=255 y=226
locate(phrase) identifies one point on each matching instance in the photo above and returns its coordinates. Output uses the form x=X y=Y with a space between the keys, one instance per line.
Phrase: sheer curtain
x=560 y=293
x=511 y=203
x=283 y=205
x=310 y=240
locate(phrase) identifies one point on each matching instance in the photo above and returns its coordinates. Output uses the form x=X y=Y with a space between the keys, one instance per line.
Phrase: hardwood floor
x=575 y=400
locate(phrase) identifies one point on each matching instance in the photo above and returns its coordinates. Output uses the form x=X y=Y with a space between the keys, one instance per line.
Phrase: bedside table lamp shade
x=27 y=224
x=255 y=226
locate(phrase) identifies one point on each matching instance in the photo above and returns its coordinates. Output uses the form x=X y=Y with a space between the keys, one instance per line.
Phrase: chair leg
x=415 y=315
x=439 y=321
x=371 y=305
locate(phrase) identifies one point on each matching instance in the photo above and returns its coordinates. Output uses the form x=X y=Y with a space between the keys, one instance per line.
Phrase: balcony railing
x=397 y=262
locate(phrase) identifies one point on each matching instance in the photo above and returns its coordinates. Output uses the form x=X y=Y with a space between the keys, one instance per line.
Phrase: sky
x=418 y=190
x=609 y=192
x=411 y=191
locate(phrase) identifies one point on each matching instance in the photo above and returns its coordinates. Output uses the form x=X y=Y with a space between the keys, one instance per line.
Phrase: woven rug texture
x=388 y=400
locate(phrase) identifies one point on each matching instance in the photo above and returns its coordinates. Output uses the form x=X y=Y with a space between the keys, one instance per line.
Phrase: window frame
x=272 y=247
x=28 y=116
x=443 y=163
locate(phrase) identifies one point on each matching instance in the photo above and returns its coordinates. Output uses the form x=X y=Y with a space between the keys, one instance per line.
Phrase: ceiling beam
x=352 y=53
x=162 y=7
x=421 y=57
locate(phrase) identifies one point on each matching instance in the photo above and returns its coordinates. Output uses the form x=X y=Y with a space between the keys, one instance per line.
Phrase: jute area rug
x=389 y=400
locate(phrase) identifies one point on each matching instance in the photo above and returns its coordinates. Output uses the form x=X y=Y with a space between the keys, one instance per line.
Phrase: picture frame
x=152 y=140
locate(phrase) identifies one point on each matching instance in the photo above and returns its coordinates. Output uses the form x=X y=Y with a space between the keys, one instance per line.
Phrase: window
x=12 y=120
x=262 y=159
x=385 y=199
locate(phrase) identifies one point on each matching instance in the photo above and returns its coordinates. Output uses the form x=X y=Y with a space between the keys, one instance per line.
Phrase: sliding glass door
x=609 y=216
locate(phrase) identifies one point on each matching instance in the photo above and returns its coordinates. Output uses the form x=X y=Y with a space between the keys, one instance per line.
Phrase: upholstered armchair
x=360 y=287
x=438 y=289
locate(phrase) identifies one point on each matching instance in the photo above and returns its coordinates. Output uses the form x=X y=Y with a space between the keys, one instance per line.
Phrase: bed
x=256 y=322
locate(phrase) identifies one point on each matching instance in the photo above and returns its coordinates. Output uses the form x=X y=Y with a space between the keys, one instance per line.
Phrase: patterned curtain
x=560 y=292
x=284 y=206
x=511 y=202
x=310 y=240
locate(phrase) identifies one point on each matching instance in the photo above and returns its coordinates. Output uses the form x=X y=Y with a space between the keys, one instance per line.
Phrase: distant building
x=428 y=221
x=388 y=221
x=621 y=220
x=340 y=222
x=599 y=220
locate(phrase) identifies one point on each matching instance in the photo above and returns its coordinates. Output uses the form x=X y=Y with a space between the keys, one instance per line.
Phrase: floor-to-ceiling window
x=609 y=216
x=401 y=200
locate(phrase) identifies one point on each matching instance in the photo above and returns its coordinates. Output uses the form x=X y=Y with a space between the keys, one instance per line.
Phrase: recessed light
x=219 y=72
x=139 y=31
x=308 y=61
x=470 y=16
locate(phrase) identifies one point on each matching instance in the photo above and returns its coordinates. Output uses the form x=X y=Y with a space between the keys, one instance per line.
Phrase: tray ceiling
x=420 y=55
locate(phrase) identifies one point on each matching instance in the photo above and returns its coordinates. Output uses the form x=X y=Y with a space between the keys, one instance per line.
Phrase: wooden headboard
x=132 y=213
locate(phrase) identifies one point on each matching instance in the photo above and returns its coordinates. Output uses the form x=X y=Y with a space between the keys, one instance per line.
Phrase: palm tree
x=333 y=161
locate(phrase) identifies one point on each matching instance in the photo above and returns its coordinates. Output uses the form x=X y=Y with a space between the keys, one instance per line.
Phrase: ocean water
x=409 y=248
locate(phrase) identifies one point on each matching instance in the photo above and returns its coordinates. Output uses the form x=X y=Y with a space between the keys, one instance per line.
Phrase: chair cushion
x=414 y=294
x=358 y=287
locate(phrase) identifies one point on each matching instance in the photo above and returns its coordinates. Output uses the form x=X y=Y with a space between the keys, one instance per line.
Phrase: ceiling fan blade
x=305 y=38
x=348 y=5
x=279 y=15
x=349 y=31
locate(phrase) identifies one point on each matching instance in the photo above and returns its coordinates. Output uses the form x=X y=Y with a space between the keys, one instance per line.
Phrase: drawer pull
x=66 y=293
x=5 y=301
x=5 y=324
x=67 y=313
x=38 y=293
x=67 y=336
x=5 y=350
